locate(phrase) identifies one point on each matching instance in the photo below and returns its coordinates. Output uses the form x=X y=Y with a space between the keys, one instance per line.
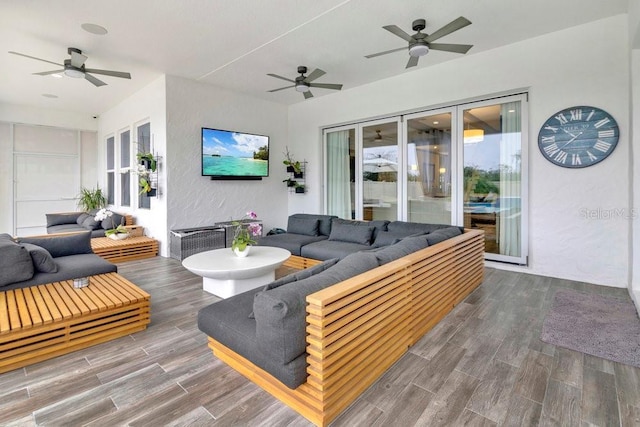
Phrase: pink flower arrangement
x=245 y=232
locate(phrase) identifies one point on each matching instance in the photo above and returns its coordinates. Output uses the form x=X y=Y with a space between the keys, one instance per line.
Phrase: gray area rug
x=602 y=326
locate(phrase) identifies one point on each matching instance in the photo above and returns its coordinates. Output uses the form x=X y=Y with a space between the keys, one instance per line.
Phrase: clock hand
x=569 y=133
x=571 y=140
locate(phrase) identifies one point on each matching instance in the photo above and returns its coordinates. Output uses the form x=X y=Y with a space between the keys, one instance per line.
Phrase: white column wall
x=195 y=200
x=583 y=65
x=146 y=104
x=634 y=259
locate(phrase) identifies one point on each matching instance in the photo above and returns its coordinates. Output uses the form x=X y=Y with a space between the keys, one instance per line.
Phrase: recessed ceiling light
x=436 y=122
x=94 y=29
x=49 y=95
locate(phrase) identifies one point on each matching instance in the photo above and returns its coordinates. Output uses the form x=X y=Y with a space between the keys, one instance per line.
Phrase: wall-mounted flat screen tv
x=234 y=155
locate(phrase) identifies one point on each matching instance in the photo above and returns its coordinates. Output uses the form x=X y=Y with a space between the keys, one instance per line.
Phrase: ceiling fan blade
x=326 y=86
x=317 y=73
x=33 y=57
x=47 y=73
x=120 y=74
x=448 y=47
x=281 y=78
x=308 y=94
x=452 y=26
x=77 y=59
x=96 y=82
x=281 y=88
x=413 y=61
x=373 y=55
x=398 y=32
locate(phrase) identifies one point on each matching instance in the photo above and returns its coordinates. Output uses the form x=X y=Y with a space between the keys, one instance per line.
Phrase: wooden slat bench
x=45 y=321
x=129 y=249
x=358 y=328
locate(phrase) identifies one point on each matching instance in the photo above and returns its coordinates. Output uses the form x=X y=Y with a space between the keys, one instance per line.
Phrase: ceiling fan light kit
x=75 y=68
x=419 y=44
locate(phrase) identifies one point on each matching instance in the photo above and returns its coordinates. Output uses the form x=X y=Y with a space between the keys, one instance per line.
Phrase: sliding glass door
x=429 y=174
x=464 y=165
x=493 y=167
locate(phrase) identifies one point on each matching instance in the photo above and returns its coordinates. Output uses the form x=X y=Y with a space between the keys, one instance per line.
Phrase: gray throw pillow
x=351 y=233
x=81 y=218
x=15 y=263
x=113 y=222
x=90 y=223
x=42 y=259
x=304 y=226
x=72 y=244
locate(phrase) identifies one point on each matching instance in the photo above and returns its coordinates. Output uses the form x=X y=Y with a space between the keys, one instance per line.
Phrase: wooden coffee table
x=224 y=274
x=44 y=321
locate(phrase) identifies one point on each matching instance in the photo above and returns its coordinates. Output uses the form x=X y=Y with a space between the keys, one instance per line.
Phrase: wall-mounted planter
x=151 y=193
x=300 y=190
x=298 y=175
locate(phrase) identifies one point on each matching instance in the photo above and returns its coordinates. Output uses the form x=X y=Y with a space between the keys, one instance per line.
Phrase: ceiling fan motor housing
x=71 y=71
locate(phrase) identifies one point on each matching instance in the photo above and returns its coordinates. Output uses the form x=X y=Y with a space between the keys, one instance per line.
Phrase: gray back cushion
x=304 y=226
x=58 y=246
x=42 y=260
x=82 y=217
x=351 y=233
x=414 y=227
x=62 y=218
x=15 y=262
x=324 y=225
x=386 y=238
x=443 y=234
x=90 y=223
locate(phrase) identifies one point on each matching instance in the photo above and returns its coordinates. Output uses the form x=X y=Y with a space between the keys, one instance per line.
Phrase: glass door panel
x=379 y=171
x=340 y=158
x=493 y=177
x=428 y=172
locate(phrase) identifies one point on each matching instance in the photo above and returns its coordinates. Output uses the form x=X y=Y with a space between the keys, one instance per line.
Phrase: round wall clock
x=578 y=137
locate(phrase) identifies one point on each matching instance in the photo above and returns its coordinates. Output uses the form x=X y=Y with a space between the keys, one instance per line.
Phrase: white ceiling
x=234 y=44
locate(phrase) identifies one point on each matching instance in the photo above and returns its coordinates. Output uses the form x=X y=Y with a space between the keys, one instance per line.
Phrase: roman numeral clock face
x=578 y=137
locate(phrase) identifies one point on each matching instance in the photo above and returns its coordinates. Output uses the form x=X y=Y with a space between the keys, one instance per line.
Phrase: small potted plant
x=145 y=187
x=290 y=182
x=293 y=166
x=148 y=161
x=300 y=188
x=89 y=199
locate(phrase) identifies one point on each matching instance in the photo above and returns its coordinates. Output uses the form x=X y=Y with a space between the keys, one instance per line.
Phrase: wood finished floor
x=483 y=365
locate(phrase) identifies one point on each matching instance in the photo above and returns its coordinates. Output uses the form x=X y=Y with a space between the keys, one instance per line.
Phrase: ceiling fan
x=303 y=84
x=75 y=68
x=421 y=43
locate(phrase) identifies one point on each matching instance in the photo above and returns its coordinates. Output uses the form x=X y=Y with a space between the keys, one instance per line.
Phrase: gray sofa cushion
x=351 y=233
x=409 y=228
x=386 y=238
x=324 y=226
x=42 y=260
x=280 y=317
x=15 y=263
x=327 y=249
x=352 y=265
x=289 y=241
x=226 y=322
x=79 y=243
x=65 y=228
x=62 y=218
x=69 y=267
x=443 y=234
x=82 y=217
x=90 y=223
x=304 y=226
x=112 y=222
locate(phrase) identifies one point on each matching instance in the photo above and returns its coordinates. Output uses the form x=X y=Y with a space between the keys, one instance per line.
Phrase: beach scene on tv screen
x=234 y=153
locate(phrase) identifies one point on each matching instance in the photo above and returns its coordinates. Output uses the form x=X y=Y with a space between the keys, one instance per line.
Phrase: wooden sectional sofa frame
x=358 y=328
x=44 y=321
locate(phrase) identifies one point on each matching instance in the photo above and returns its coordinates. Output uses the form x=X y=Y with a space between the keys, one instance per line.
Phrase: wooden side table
x=128 y=249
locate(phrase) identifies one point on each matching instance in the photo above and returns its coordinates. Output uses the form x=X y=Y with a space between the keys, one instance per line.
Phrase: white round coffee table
x=224 y=274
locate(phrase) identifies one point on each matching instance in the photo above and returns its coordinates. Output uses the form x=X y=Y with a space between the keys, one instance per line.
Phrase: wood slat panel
x=129 y=249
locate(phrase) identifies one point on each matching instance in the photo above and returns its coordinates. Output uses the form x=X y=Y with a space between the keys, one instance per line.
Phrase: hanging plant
x=148 y=160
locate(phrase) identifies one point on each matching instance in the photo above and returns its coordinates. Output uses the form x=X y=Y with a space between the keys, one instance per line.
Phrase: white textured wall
x=194 y=200
x=584 y=65
x=146 y=104
x=634 y=37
